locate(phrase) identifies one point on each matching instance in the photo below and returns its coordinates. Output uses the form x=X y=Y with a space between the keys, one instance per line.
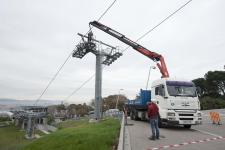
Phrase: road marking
x=208 y=133
x=187 y=143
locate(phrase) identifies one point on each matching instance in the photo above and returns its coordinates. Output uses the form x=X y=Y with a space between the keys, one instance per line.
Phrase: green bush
x=50 y=119
x=2 y=119
x=212 y=103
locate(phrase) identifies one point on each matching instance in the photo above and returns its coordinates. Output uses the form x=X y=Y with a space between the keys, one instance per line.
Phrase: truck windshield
x=178 y=88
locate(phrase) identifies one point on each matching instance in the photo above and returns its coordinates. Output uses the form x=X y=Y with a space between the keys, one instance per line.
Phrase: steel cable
x=69 y=56
x=141 y=37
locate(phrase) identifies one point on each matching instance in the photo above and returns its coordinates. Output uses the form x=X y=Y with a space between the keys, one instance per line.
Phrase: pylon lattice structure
x=28 y=117
x=103 y=56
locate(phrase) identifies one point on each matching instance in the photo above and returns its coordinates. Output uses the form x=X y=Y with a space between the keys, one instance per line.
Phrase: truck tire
x=136 y=116
x=187 y=126
x=159 y=122
x=132 y=115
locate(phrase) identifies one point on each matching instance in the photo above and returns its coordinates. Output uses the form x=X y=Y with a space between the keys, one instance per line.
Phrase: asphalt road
x=207 y=136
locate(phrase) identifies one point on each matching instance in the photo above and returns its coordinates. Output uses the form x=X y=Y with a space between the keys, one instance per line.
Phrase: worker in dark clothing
x=153 y=114
x=125 y=115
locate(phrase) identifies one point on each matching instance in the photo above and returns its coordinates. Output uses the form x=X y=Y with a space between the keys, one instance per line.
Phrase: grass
x=11 y=138
x=71 y=123
x=40 y=133
x=80 y=135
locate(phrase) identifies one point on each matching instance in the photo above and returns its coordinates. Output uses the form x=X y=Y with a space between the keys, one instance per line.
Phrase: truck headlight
x=170 y=114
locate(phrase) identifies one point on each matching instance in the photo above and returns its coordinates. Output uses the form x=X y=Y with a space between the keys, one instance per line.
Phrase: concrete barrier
x=121 y=138
x=124 y=139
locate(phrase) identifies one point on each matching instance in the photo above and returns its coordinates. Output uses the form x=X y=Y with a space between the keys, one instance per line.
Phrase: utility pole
x=118 y=98
x=151 y=67
x=102 y=57
x=98 y=85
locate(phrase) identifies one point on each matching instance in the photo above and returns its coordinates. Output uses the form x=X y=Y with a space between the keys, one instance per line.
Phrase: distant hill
x=6 y=104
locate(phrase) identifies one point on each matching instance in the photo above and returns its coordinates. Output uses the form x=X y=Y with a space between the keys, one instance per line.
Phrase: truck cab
x=177 y=101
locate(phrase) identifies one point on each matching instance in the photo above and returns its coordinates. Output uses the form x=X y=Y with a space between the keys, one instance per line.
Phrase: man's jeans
x=155 y=128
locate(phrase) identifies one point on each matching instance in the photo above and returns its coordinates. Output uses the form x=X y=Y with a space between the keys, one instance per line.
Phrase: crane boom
x=152 y=55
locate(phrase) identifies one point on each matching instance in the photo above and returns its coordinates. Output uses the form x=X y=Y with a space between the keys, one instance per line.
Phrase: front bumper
x=184 y=118
x=182 y=122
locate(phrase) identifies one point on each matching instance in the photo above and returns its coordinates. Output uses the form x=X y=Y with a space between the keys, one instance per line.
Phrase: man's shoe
x=157 y=138
x=152 y=138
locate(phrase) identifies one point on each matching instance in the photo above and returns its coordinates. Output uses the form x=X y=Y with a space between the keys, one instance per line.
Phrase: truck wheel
x=159 y=122
x=187 y=126
x=136 y=117
x=132 y=115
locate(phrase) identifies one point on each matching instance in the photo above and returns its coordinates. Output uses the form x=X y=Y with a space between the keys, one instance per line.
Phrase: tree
x=109 y=102
x=215 y=82
x=200 y=82
x=213 y=90
x=212 y=103
x=79 y=109
x=60 y=107
x=71 y=110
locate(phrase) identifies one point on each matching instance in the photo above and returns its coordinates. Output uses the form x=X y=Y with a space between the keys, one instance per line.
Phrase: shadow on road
x=129 y=124
x=177 y=128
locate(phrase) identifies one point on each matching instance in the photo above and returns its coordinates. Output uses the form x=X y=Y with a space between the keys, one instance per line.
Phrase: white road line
x=186 y=143
x=208 y=133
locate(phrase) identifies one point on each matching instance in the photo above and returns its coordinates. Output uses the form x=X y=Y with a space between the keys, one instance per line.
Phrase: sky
x=37 y=36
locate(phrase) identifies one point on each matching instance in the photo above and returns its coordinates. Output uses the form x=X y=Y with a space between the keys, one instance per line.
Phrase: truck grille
x=186 y=118
x=186 y=114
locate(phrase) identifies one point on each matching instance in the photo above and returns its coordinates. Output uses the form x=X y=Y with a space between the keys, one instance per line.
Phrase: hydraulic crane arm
x=152 y=55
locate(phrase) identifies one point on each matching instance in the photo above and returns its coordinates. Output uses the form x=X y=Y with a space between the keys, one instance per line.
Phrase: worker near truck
x=153 y=114
x=125 y=114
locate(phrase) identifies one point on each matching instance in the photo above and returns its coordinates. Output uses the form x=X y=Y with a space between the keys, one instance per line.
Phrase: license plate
x=187 y=121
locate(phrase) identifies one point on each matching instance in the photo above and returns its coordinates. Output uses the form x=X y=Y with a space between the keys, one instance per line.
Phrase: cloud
x=37 y=36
